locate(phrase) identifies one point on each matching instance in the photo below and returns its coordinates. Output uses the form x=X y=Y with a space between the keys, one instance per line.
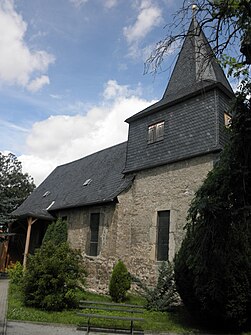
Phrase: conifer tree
x=213 y=266
x=15 y=187
x=56 y=232
x=120 y=282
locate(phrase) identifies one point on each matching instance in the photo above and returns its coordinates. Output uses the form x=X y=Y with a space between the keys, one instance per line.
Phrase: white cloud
x=63 y=138
x=13 y=126
x=36 y=84
x=149 y=16
x=36 y=167
x=18 y=63
x=113 y=90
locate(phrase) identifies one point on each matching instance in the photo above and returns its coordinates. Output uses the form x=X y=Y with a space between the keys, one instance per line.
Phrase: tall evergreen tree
x=213 y=266
x=15 y=186
x=56 y=232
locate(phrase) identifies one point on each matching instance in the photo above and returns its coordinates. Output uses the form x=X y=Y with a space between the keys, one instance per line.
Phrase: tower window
x=163 y=226
x=155 y=132
x=227 y=120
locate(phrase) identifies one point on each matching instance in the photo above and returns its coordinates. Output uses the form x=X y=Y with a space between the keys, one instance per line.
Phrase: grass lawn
x=177 y=321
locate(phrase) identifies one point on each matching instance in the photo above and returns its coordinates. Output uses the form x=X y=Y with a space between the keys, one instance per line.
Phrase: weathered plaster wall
x=128 y=228
x=169 y=187
x=98 y=267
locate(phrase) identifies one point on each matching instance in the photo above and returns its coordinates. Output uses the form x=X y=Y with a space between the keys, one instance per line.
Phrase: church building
x=130 y=201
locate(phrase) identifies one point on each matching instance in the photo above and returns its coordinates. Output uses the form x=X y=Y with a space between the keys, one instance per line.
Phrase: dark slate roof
x=195 y=71
x=65 y=184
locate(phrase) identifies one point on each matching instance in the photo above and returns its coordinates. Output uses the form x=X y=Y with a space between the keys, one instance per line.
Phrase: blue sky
x=71 y=72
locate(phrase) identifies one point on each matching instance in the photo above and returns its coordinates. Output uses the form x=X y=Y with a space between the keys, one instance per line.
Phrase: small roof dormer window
x=46 y=194
x=51 y=204
x=87 y=182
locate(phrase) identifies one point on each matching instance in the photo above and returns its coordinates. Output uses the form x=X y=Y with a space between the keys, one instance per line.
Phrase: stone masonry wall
x=98 y=267
x=169 y=187
x=128 y=228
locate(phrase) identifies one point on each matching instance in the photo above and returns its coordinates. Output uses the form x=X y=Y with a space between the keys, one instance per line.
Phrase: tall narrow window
x=155 y=132
x=94 y=226
x=163 y=235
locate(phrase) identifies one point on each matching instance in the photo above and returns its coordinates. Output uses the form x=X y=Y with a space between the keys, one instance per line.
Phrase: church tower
x=189 y=119
x=172 y=145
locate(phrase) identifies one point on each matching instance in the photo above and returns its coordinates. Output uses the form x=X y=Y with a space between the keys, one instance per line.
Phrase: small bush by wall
x=164 y=294
x=120 y=282
x=15 y=273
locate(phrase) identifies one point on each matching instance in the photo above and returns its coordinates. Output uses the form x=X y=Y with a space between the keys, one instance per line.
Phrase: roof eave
x=85 y=204
x=168 y=162
x=150 y=110
x=46 y=216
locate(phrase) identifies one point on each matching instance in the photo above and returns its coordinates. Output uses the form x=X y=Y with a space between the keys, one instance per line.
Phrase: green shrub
x=164 y=295
x=56 y=232
x=15 y=273
x=52 y=277
x=120 y=282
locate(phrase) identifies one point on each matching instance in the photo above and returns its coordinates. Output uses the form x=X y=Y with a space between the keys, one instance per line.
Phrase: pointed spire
x=196 y=69
x=196 y=66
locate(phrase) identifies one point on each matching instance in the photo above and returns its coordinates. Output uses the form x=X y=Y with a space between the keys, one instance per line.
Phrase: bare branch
x=225 y=23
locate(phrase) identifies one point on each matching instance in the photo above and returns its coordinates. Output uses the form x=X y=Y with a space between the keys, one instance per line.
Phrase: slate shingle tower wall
x=192 y=109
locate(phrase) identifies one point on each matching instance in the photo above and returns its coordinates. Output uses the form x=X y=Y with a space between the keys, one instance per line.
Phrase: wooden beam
x=3 y=255
x=30 y=222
